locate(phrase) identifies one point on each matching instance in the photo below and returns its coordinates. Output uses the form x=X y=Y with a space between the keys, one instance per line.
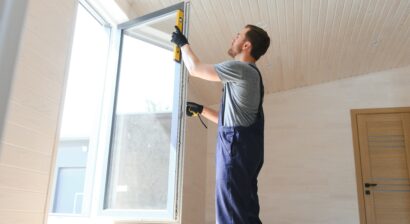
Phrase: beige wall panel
x=32 y=77
x=21 y=200
x=21 y=157
x=23 y=179
x=36 y=95
x=19 y=217
x=309 y=171
x=23 y=115
x=28 y=138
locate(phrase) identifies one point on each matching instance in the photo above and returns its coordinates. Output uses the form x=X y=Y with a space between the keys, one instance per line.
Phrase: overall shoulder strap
x=262 y=88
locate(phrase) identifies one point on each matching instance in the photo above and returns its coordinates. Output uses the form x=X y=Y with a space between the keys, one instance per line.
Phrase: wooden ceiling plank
x=226 y=17
x=336 y=37
x=291 y=81
x=298 y=14
x=314 y=40
x=377 y=36
x=310 y=9
x=404 y=56
x=281 y=18
x=356 y=36
x=275 y=47
x=333 y=44
x=350 y=47
x=400 y=34
x=359 y=36
x=214 y=31
x=324 y=56
x=245 y=10
x=305 y=36
x=379 y=15
x=225 y=29
x=200 y=40
x=386 y=34
x=266 y=62
x=254 y=13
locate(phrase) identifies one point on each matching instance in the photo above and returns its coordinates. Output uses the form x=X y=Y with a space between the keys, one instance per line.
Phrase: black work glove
x=178 y=38
x=193 y=109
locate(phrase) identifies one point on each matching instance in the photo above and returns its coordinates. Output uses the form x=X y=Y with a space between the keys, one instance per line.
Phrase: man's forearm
x=210 y=114
x=196 y=67
x=189 y=57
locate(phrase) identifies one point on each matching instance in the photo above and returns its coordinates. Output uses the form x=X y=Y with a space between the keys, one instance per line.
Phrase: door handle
x=370 y=185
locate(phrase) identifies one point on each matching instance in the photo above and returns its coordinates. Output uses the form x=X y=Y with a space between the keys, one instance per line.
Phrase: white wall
x=309 y=171
x=194 y=170
x=33 y=113
x=194 y=177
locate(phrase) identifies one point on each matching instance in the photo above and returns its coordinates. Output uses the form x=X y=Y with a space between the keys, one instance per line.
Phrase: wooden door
x=383 y=140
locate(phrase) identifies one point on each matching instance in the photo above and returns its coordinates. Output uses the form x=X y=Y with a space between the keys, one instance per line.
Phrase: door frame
x=358 y=166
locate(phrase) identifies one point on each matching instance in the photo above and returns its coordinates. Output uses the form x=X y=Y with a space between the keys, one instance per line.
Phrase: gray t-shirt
x=241 y=83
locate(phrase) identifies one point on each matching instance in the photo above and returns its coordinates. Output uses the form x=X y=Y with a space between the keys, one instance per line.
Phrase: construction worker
x=240 y=143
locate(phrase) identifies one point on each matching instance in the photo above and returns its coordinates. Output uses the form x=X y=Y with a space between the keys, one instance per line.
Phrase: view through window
x=140 y=158
x=80 y=122
x=143 y=155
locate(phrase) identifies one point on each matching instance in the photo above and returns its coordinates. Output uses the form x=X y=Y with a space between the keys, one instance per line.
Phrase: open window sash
x=142 y=180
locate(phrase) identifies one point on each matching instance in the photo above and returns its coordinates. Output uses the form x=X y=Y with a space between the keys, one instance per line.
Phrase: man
x=239 y=153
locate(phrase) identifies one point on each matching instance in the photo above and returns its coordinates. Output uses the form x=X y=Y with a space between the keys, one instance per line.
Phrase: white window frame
x=178 y=126
x=99 y=147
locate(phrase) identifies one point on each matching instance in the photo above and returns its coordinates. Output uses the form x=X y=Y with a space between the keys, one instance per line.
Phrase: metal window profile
x=151 y=16
x=94 y=13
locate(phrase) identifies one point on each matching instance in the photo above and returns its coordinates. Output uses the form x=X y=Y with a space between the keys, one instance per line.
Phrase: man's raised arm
x=194 y=65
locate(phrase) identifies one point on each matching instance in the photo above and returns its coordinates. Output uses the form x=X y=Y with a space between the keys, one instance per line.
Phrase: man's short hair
x=259 y=39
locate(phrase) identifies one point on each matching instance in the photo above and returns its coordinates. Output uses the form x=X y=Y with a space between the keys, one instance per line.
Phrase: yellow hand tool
x=179 y=23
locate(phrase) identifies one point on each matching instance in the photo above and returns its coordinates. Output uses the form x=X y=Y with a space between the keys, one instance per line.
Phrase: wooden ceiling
x=312 y=41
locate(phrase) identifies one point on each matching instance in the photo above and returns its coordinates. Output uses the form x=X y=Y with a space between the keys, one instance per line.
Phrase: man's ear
x=247 y=45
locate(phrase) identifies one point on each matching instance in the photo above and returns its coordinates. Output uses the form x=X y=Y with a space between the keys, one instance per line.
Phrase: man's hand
x=178 y=38
x=193 y=109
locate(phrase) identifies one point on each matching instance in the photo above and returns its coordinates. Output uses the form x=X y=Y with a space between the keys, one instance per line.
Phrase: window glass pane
x=139 y=173
x=80 y=121
x=86 y=77
x=70 y=177
x=69 y=190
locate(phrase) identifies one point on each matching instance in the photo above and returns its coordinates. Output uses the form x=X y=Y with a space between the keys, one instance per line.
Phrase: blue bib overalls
x=239 y=159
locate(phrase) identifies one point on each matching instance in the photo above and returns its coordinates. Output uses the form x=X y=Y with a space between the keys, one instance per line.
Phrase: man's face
x=237 y=43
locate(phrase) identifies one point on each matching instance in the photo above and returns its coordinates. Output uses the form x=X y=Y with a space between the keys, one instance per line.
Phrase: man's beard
x=230 y=52
x=233 y=53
